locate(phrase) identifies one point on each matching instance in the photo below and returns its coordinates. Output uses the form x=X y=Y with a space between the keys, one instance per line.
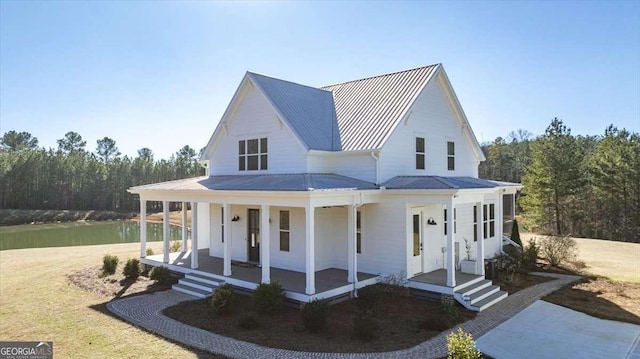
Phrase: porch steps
x=480 y=295
x=197 y=285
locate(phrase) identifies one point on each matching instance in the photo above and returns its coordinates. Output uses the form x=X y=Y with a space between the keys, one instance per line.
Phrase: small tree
x=314 y=315
x=268 y=298
x=132 y=268
x=223 y=298
x=515 y=233
x=109 y=264
x=558 y=250
x=460 y=345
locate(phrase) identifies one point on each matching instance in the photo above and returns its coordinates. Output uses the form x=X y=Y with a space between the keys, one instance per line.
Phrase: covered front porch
x=328 y=283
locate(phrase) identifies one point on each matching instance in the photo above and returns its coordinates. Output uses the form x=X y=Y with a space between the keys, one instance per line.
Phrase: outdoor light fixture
x=431 y=221
x=235 y=218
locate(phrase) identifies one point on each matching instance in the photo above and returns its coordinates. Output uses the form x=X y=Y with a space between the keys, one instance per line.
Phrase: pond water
x=79 y=234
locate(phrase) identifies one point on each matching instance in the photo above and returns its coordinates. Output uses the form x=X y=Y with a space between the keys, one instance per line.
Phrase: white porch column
x=194 y=235
x=184 y=227
x=351 y=244
x=265 y=246
x=226 y=214
x=499 y=220
x=310 y=249
x=143 y=228
x=165 y=231
x=451 y=256
x=480 y=243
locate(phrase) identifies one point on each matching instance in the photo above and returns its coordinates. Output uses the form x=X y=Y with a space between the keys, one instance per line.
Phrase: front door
x=253 y=234
x=417 y=240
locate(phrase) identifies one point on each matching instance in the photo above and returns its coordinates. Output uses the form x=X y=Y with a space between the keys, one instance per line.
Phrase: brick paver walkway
x=146 y=311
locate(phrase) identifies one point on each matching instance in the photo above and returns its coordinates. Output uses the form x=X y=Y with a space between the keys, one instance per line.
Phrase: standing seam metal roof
x=367 y=110
x=308 y=111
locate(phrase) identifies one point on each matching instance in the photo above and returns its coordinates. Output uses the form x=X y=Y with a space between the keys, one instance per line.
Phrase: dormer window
x=420 y=153
x=252 y=154
x=451 y=156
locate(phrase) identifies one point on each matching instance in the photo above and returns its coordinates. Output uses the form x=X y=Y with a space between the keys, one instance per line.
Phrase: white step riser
x=476 y=300
x=196 y=285
x=185 y=291
x=490 y=303
x=211 y=282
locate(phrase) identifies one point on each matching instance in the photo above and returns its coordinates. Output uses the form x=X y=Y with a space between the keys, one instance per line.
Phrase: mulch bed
x=113 y=286
x=518 y=282
x=602 y=298
x=403 y=322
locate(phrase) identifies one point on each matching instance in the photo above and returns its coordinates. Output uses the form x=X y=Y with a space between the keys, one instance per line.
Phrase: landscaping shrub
x=109 y=264
x=314 y=315
x=132 y=268
x=162 y=275
x=175 y=246
x=223 y=299
x=268 y=298
x=460 y=345
x=365 y=326
x=450 y=313
x=558 y=250
x=248 y=321
x=515 y=233
x=530 y=254
x=510 y=261
x=395 y=284
x=370 y=298
x=149 y=251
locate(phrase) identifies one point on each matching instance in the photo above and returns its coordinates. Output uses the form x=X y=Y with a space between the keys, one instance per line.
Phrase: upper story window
x=252 y=154
x=420 y=153
x=451 y=156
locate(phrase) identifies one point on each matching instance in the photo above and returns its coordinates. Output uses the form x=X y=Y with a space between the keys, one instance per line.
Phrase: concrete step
x=483 y=293
x=197 y=284
x=198 y=293
x=475 y=287
x=489 y=301
x=204 y=280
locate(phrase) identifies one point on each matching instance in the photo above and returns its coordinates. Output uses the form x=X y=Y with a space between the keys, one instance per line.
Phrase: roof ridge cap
x=287 y=81
x=381 y=75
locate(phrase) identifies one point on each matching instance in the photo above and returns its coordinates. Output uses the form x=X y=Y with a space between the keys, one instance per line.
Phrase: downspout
x=355 y=243
x=375 y=154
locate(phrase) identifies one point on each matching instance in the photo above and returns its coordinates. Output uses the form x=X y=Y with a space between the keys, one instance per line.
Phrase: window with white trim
x=285 y=232
x=451 y=156
x=455 y=224
x=475 y=223
x=420 y=153
x=445 y=221
x=252 y=154
x=222 y=223
x=489 y=220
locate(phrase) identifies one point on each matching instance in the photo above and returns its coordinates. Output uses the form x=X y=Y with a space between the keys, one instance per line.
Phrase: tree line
x=71 y=177
x=584 y=186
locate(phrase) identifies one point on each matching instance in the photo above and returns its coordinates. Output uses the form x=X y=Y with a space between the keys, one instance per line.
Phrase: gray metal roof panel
x=264 y=182
x=440 y=182
x=309 y=111
x=368 y=110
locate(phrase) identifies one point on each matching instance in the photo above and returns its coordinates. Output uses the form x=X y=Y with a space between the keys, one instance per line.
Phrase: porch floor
x=439 y=277
x=291 y=281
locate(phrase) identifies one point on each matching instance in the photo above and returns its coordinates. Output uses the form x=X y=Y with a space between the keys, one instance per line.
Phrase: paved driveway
x=545 y=330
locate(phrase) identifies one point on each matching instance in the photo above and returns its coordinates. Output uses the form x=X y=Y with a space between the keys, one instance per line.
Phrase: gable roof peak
x=439 y=64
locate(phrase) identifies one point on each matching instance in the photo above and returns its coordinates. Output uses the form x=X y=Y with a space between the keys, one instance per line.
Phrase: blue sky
x=160 y=74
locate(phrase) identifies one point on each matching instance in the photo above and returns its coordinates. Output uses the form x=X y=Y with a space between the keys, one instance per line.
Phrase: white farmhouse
x=327 y=189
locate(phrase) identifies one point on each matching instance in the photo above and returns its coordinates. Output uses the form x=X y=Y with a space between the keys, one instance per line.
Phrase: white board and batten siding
x=432 y=117
x=358 y=165
x=256 y=118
